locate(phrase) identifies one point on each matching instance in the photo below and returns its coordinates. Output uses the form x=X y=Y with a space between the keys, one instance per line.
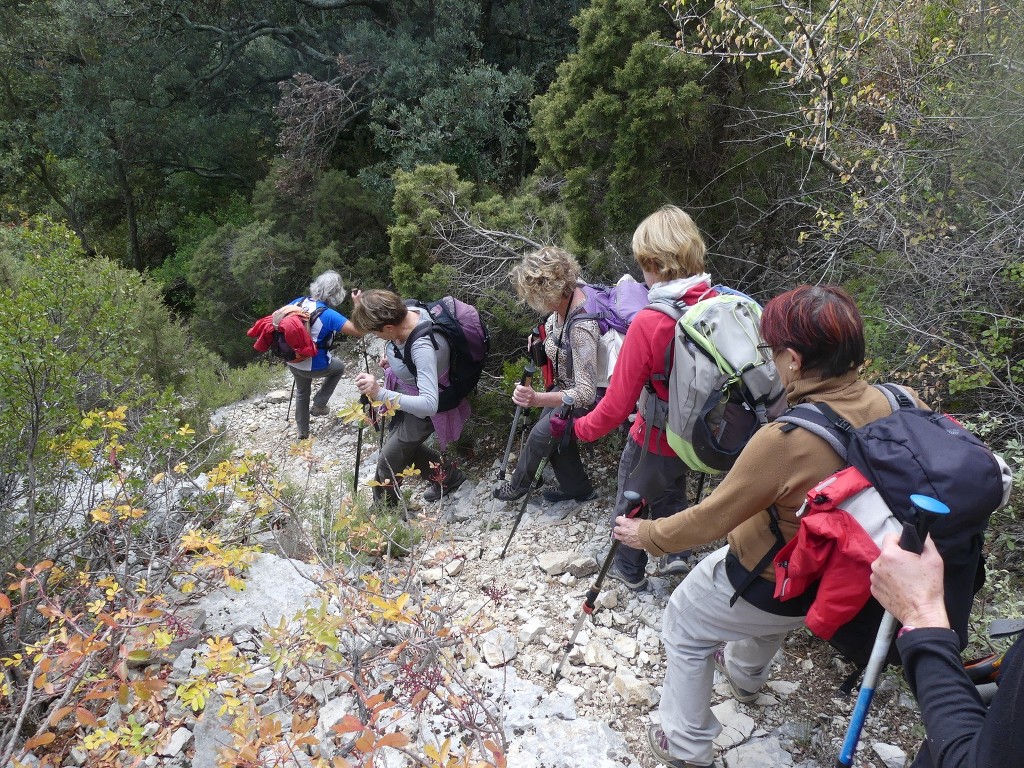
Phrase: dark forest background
x=228 y=151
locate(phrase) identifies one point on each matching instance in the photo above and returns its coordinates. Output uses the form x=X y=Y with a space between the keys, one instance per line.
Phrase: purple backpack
x=468 y=341
x=614 y=307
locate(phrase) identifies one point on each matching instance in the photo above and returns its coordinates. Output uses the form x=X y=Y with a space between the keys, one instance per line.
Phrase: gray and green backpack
x=721 y=386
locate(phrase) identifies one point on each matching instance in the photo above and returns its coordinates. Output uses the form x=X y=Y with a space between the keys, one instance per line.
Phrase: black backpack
x=468 y=342
x=917 y=451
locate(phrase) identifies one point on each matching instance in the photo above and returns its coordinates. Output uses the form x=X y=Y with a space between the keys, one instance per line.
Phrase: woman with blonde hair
x=669 y=250
x=547 y=280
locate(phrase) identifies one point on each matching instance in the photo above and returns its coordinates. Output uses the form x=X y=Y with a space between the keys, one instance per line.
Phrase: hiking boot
x=456 y=478
x=671 y=564
x=659 y=746
x=319 y=410
x=554 y=496
x=740 y=694
x=508 y=492
x=635 y=585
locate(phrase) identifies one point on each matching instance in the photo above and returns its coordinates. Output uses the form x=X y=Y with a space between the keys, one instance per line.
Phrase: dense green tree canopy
x=234 y=149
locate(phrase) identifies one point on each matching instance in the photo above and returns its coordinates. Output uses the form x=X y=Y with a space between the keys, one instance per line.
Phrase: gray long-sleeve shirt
x=429 y=363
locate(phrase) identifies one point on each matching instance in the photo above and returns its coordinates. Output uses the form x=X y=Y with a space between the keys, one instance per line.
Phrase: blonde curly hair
x=669 y=244
x=545 y=277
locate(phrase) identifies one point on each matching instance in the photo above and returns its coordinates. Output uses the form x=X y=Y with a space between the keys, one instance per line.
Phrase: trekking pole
x=526 y=381
x=363 y=401
x=288 y=410
x=700 y=487
x=562 y=413
x=926 y=509
x=640 y=509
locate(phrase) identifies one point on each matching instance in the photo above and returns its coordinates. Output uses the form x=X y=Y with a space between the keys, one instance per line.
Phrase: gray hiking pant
x=698 y=618
x=331 y=375
x=405 y=447
x=659 y=479
x=567 y=465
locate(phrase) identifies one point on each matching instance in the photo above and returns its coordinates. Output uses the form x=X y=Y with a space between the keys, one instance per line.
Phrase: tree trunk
x=132 y=215
x=43 y=174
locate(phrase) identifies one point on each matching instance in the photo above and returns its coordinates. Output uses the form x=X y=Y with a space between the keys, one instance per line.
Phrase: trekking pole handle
x=926 y=510
x=527 y=378
x=636 y=502
x=566 y=407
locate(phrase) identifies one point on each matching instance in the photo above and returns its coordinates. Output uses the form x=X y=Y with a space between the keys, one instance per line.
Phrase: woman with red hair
x=724 y=613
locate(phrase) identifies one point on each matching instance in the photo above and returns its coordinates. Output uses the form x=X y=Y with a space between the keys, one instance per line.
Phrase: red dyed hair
x=821 y=322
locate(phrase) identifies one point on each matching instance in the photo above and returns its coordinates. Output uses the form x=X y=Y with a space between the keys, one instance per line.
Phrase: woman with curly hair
x=547 y=280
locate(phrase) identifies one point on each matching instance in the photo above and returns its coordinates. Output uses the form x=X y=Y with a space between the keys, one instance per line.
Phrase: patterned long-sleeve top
x=572 y=348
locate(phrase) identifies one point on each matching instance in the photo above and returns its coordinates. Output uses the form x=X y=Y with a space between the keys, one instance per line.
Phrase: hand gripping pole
x=526 y=381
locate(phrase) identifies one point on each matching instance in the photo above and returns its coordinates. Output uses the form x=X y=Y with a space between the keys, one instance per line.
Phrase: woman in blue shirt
x=325 y=291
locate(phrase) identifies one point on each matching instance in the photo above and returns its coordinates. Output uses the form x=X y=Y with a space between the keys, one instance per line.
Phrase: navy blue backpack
x=914 y=450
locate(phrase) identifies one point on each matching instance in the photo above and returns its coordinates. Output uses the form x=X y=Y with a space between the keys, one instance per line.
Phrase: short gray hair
x=328 y=288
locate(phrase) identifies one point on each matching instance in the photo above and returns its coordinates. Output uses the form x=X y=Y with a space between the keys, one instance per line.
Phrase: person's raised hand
x=909 y=585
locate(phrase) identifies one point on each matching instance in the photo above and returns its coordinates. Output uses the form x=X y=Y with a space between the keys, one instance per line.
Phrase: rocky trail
x=598 y=713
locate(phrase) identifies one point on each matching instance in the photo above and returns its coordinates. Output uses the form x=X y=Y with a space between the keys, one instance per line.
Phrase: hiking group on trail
x=775 y=398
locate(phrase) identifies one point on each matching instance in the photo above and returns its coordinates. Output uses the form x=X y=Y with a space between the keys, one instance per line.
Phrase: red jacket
x=296 y=333
x=831 y=548
x=643 y=355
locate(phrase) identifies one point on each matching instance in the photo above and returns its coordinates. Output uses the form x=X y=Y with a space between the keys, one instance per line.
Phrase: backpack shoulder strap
x=328 y=341
x=670 y=307
x=823 y=421
x=898 y=396
x=422 y=329
x=589 y=289
x=675 y=310
x=773 y=550
x=819 y=419
x=315 y=315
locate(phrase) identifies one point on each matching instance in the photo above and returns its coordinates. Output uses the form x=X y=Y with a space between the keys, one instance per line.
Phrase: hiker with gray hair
x=326 y=291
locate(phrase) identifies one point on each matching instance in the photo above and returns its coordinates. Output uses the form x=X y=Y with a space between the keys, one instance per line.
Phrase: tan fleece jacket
x=774 y=468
